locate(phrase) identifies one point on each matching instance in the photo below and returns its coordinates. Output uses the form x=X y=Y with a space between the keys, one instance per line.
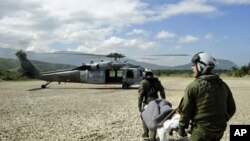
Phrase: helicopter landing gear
x=44 y=85
x=125 y=86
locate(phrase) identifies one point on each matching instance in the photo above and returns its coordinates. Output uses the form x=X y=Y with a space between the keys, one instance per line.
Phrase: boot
x=144 y=135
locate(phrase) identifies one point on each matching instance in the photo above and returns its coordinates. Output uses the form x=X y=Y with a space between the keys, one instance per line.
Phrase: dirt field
x=90 y=112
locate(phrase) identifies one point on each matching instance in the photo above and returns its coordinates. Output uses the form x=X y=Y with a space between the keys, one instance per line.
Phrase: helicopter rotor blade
x=159 y=55
x=76 y=53
x=146 y=58
x=111 y=55
x=169 y=55
x=118 y=55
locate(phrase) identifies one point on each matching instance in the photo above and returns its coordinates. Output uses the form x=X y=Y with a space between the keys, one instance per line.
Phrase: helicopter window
x=119 y=73
x=112 y=74
x=101 y=73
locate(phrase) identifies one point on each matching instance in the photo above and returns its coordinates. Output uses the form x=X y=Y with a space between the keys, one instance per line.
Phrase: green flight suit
x=209 y=104
x=147 y=92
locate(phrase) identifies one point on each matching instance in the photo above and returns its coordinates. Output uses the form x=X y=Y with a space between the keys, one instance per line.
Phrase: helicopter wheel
x=44 y=85
x=125 y=86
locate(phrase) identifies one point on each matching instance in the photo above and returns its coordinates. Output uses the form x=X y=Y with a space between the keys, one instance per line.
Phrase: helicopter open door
x=131 y=76
x=113 y=76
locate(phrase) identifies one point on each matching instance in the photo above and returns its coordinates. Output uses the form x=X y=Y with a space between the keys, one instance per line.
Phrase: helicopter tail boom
x=28 y=69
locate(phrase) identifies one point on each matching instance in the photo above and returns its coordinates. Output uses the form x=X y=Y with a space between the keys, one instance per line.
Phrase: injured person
x=160 y=116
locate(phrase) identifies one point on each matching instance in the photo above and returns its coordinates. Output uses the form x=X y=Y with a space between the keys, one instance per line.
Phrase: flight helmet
x=147 y=72
x=205 y=62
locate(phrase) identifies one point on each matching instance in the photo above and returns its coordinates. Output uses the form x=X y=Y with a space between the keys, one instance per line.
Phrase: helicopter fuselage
x=96 y=76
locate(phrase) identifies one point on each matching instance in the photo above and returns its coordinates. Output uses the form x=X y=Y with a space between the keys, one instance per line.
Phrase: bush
x=10 y=75
x=239 y=72
x=183 y=73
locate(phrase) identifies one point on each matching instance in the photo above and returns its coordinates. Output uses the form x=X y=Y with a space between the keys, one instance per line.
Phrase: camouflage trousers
x=151 y=134
x=199 y=134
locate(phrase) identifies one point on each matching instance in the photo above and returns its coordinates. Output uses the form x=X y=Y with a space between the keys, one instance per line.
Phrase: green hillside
x=14 y=65
x=8 y=64
x=10 y=67
x=43 y=66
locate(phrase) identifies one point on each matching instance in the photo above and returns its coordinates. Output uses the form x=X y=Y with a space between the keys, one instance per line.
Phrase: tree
x=236 y=72
x=244 y=70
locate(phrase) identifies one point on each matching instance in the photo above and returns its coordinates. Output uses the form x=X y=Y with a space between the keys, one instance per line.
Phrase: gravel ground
x=90 y=112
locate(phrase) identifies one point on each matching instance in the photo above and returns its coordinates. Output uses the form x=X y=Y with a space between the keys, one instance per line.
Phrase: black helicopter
x=105 y=72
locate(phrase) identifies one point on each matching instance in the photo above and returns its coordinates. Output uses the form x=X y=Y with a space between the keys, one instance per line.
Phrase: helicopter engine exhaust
x=96 y=66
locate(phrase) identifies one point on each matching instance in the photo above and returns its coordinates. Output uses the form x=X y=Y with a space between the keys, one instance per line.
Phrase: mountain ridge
x=76 y=60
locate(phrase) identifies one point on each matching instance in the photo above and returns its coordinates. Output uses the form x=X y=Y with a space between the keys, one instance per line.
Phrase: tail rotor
x=28 y=69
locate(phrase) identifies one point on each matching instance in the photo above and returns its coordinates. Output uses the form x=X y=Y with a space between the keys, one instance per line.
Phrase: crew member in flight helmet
x=148 y=91
x=208 y=102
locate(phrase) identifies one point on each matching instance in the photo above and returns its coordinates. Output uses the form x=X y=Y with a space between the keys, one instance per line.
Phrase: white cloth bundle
x=168 y=125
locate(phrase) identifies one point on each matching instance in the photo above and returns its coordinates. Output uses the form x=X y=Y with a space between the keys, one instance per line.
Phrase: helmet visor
x=196 y=58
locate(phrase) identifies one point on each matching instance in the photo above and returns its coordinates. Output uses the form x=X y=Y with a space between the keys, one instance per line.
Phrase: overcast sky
x=133 y=27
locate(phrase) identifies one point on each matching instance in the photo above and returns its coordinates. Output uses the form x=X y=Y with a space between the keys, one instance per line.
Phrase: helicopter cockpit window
x=90 y=74
x=101 y=74
x=140 y=73
x=130 y=74
x=95 y=74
